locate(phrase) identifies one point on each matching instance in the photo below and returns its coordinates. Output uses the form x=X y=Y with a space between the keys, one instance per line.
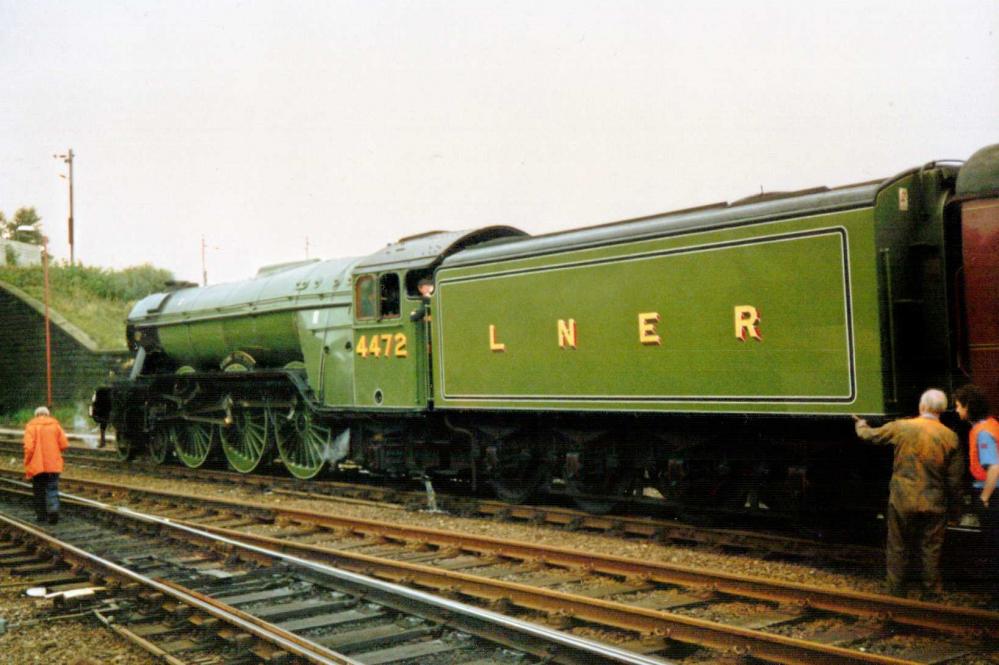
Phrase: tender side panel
x=980 y=223
x=778 y=317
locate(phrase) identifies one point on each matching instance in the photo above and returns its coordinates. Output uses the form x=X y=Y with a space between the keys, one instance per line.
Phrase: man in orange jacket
x=44 y=441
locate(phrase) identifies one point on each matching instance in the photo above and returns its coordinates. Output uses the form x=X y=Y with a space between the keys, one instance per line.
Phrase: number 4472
x=382 y=346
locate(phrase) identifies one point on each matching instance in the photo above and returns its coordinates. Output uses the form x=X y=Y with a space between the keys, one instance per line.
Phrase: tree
x=5 y=230
x=26 y=216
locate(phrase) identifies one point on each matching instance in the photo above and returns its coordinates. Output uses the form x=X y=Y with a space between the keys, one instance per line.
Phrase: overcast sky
x=260 y=124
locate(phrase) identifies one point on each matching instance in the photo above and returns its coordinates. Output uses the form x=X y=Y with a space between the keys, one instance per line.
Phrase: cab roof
x=429 y=249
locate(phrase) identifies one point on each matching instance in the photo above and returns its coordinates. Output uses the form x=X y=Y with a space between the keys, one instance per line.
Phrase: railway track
x=647 y=607
x=193 y=597
x=667 y=531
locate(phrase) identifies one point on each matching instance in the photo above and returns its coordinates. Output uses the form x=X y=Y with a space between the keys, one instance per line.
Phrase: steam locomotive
x=706 y=356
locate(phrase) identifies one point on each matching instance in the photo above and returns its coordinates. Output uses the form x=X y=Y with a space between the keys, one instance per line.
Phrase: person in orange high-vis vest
x=44 y=441
x=983 y=458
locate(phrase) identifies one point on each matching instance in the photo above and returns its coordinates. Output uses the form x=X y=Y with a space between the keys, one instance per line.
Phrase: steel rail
x=765 y=646
x=575 y=643
x=293 y=644
x=945 y=618
x=713 y=635
x=644 y=527
x=774 y=648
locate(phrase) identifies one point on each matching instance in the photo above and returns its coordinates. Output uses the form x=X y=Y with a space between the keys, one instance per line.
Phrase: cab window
x=388 y=288
x=377 y=297
x=366 y=297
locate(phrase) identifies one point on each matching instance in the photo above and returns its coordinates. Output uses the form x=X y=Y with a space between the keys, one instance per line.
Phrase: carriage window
x=366 y=297
x=389 y=295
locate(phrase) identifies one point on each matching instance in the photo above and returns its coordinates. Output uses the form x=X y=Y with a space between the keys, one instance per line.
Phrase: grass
x=96 y=300
x=68 y=416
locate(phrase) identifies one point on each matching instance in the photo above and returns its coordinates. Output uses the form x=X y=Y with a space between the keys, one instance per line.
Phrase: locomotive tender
x=708 y=354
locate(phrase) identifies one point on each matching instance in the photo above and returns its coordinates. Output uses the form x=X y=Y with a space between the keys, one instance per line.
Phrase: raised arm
x=883 y=434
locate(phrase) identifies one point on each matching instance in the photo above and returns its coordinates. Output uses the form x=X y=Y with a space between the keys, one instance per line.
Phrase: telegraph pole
x=68 y=159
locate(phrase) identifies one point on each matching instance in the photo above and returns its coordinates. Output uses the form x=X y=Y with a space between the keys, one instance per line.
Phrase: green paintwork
x=301 y=314
x=249 y=441
x=196 y=443
x=811 y=279
x=324 y=336
x=914 y=273
x=270 y=339
x=303 y=444
x=283 y=317
x=399 y=381
x=394 y=383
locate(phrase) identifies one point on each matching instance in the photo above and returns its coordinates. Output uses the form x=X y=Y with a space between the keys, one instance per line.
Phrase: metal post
x=69 y=160
x=204 y=269
x=48 y=329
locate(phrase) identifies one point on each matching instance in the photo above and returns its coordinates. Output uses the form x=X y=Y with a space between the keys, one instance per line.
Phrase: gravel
x=680 y=555
x=81 y=641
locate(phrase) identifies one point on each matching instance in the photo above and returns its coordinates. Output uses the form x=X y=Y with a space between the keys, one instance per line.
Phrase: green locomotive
x=707 y=354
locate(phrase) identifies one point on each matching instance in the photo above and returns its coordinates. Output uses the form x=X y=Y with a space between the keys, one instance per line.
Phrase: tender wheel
x=514 y=472
x=302 y=445
x=196 y=443
x=598 y=497
x=596 y=476
x=247 y=442
x=161 y=442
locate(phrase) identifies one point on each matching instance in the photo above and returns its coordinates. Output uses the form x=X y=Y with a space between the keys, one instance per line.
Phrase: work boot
x=54 y=518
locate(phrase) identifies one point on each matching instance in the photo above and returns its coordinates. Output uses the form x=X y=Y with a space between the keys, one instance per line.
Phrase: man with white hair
x=44 y=441
x=925 y=480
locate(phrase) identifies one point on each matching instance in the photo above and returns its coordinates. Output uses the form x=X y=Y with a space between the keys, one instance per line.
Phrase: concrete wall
x=27 y=255
x=78 y=366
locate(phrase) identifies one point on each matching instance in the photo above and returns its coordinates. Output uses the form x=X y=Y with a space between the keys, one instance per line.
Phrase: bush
x=94 y=299
x=66 y=415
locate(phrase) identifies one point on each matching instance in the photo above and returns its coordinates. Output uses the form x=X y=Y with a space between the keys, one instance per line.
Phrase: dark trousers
x=989 y=520
x=910 y=532
x=46 y=487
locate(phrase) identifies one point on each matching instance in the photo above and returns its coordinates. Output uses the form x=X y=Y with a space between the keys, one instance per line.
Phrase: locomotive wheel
x=196 y=443
x=249 y=440
x=161 y=442
x=127 y=444
x=302 y=445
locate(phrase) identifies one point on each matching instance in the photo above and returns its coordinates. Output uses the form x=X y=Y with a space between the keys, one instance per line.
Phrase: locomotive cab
x=391 y=367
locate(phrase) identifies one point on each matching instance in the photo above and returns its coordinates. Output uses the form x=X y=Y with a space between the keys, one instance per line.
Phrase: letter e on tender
x=647 y=332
